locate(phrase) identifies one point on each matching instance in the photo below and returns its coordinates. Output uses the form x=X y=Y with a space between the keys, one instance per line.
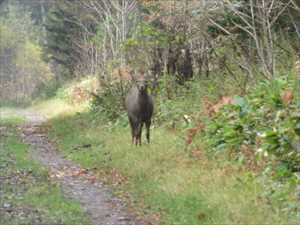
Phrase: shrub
x=109 y=103
x=267 y=120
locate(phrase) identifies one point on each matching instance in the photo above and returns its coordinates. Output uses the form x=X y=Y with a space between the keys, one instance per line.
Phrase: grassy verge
x=56 y=107
x=177 y=186
x=27 y=196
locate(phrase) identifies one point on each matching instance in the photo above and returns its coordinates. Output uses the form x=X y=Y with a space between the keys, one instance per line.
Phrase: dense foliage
x=267 y=121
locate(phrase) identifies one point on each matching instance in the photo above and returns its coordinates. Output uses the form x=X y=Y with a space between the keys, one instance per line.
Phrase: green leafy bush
x=263 y=121
x=109 y=103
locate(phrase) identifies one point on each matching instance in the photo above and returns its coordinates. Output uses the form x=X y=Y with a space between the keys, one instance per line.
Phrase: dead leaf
x=197 y=154
x=213 y=108
x=80 y=172
x=287 y=97
x=92 y=179
x=193 y=131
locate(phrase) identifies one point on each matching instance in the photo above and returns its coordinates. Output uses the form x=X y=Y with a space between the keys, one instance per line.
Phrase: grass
x=8 y=116
x=27 y=196
x=164 y=178
x=57 y=107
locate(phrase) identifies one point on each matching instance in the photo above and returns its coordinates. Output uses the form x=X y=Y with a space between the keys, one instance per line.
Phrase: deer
x=139 y=107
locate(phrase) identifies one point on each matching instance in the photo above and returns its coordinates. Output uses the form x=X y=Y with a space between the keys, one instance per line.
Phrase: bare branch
x=219 y=26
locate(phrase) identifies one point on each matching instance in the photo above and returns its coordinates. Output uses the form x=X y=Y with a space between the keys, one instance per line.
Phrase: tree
x=22 y=69
x=61 y=31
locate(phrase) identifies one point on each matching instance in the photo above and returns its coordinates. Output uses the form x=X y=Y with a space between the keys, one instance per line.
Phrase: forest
x=224 y=81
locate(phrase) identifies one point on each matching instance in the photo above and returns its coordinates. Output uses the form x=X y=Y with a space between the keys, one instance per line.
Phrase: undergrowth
x=261 y=132
x=267 y=121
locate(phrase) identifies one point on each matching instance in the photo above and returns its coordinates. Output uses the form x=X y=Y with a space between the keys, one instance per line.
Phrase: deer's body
x=139 y=106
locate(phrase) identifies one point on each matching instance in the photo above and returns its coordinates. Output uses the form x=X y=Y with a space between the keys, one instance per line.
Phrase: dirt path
x=76 y=183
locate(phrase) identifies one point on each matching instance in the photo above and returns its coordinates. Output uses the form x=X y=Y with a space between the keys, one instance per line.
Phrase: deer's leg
x=136 y=132
x=132 y=128
x=140 y=133
x=148 y=124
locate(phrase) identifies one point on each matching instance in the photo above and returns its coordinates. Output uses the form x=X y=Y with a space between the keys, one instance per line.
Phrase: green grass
x=27 y=195
x=163 y=177
x=56 y=107
x=8 y=116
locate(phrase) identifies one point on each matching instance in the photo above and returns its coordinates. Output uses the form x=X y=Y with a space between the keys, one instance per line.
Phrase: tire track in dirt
x=76 y=183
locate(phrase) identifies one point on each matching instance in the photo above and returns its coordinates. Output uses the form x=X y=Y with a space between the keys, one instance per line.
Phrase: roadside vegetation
x=180 y=187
